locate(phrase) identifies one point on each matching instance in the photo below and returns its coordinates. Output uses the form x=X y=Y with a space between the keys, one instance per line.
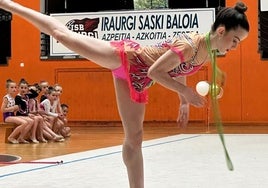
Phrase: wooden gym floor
x=173 y=157
x=88 y=136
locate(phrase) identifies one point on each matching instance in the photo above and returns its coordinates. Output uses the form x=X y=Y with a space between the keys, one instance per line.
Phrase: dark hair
x=8 y=82
x=38 y=88
x=51 y=89
x=64 y=105
x=23 y=81
x=232 y=17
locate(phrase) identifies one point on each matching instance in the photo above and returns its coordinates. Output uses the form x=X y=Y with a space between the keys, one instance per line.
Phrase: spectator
x=46 y=106
x=9 y=108
x=22 y=100
x=66 y=131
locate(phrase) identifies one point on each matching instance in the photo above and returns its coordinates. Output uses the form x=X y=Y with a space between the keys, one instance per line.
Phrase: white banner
x=147 y=27
x=264 y=5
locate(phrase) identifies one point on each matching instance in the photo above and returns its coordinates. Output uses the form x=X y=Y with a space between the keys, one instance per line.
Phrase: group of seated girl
x=37 y=112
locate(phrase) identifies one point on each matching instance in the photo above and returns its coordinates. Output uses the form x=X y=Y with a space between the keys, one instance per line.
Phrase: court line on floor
x=96 y=156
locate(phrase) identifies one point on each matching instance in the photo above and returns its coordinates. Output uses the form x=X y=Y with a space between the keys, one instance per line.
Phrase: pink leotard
x=134 y=67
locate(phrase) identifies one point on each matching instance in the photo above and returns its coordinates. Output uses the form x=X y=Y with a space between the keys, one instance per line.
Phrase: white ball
x=202 y=88
x=21 y=64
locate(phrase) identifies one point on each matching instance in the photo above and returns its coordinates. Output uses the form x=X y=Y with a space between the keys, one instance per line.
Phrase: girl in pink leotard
x=136 y=68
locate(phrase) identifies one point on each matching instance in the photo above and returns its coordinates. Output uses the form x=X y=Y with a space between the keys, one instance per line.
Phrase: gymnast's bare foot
x=13 y=140
x=34 y=141
x=58 y=138
x=43 y=140
x=22 y=141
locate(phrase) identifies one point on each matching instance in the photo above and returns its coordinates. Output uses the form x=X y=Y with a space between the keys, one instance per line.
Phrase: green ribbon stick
x=214 y=100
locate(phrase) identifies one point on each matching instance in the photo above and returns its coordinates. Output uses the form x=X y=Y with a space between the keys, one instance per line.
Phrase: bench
x=6 y=129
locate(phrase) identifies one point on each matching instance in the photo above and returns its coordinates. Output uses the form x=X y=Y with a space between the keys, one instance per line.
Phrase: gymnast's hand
x=193 y=98
x=183 y=116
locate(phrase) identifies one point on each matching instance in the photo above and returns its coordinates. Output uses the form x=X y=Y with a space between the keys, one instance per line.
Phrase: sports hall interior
x=89 y=92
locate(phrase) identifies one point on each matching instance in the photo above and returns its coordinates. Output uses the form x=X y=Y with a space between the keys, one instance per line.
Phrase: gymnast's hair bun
x=241 y=7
